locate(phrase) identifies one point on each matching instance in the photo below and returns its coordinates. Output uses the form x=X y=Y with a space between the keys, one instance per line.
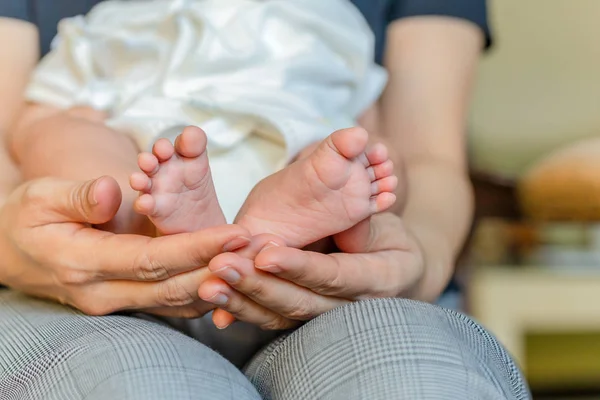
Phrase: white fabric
x=263 y=78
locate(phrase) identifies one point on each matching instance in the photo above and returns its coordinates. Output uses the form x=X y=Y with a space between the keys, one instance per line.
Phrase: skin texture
x=46 y=237
x=50 y=250
x=411 y=254
x=17 y=60
x=77 y=145
x=339 y=184
x=422 y=114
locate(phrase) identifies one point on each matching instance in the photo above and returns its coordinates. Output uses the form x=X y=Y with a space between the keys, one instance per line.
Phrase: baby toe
x=377 y=154
x=140 y=182
x=148 y=163
x=382 y=202
x=381 y=171
x=191 y=143
x=145 y=204
x=387 y=184
x=163 y=150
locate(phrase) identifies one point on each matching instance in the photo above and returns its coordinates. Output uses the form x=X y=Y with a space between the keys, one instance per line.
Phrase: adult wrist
x=438 y=259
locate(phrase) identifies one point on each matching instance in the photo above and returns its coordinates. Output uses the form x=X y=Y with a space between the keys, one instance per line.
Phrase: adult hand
x=284 y=286
x=50 y=249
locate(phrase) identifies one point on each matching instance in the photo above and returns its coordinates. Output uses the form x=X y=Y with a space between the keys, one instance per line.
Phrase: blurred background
x=532 y=267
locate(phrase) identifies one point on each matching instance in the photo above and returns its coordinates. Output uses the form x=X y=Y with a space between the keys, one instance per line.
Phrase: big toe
x=191 y=143
x=335 y=156
x=349 y=142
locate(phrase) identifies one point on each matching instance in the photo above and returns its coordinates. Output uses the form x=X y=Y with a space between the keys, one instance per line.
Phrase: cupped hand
x=284 y=286
x=50 y=249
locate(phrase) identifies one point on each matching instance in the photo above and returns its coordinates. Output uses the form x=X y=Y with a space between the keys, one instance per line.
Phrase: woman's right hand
x=48 y=248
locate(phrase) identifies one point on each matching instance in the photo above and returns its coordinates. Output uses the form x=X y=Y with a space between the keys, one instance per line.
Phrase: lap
x=376 y=349
x=51 y=352
x=387 y=349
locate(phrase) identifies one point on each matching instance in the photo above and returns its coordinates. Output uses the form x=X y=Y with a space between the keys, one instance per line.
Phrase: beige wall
x=539 y=87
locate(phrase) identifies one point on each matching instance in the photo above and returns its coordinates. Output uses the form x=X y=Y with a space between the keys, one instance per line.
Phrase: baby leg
x=76 y=145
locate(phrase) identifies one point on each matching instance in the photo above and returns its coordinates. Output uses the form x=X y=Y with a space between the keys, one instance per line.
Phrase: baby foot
x=330 y=191
x=176 y=188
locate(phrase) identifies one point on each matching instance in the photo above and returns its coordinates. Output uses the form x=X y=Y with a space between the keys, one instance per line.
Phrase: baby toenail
x=229 y=275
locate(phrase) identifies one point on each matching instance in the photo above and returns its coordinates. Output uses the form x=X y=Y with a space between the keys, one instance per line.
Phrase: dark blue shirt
x=379 y=13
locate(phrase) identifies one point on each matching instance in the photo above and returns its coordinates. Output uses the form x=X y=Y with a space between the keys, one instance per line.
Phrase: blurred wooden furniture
x=535 y=287
x=512 y=302
x=536 y=93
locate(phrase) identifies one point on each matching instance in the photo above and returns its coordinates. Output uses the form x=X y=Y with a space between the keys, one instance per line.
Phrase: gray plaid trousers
x=380 y=349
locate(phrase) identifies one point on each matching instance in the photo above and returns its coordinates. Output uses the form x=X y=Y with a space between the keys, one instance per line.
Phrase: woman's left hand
x=284 y=286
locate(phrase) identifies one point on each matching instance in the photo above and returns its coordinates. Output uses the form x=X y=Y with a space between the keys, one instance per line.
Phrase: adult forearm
x=432 y=63
x=18 y=57
x=438 y=214
x=9 y=178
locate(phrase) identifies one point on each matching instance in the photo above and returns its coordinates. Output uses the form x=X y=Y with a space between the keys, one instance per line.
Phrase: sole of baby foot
x=331 y=190
x=176 y=188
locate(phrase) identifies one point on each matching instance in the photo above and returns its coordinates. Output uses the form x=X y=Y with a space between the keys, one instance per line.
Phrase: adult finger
x=350 y=276
x=283 y=297
x=92 y=255
x=241 y=308
x=258 y=243
x=51 y=200
x=101 y=298
x=222 y=318
x=195 y=310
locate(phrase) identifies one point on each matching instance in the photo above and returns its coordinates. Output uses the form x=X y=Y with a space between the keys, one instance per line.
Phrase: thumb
x=381 y=232
x=357 y=239
x=95 y=202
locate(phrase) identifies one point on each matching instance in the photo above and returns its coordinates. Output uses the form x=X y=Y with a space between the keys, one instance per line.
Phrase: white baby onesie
x=263 y=78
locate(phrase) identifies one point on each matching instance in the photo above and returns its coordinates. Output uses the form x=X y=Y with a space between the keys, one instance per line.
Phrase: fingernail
x=269 y=245
x=91 y=197
x=236 y=244
x=274 y=269
x=228 y=274
x=218 y=299
x=221 y=327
